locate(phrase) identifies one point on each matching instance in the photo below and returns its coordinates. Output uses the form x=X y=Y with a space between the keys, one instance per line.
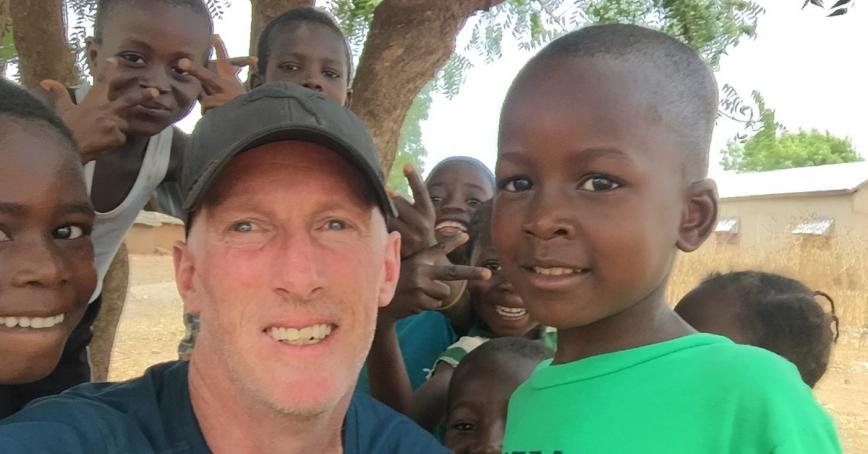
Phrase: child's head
x=304 y=45
x=494 y=300
x=46 y=256
x=766 y=310
x=148 y=38
x=458 y=186
x=480 y=390
x=601 y=173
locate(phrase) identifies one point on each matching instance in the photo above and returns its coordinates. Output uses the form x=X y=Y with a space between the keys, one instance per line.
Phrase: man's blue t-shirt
x=422 y=338
x=153 y=414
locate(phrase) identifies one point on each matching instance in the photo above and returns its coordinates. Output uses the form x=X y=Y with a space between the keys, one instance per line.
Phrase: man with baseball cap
x=287 y=261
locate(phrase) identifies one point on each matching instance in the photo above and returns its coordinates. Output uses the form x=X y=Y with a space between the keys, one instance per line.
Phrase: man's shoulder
x=374 y=427
x=90 y=418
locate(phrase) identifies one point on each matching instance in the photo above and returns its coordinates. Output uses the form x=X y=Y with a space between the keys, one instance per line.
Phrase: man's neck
x=232 y=423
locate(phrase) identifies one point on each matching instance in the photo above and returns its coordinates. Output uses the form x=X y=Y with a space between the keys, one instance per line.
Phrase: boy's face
x=494 y=300
x=148 y=39
x=46 y=256
x=312 y=56
x=457 y=190
x=477 y=411
x=592 y=200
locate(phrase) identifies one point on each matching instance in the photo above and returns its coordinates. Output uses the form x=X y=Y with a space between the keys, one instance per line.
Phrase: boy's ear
x=349 y=97
x=255 y=79
x=699 y=216
x=92 y=56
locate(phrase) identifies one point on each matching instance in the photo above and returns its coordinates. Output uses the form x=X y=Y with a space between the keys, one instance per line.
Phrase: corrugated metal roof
x=828 y=178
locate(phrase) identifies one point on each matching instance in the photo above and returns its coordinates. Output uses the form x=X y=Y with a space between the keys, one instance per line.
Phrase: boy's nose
x=40 y=266
x=548 y=219
x=312 y=81
x=155 y=78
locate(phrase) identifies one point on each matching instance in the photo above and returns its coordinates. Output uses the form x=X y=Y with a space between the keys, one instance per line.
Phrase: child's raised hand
x=96 y=122
x=415 y=220
x=429 y=280
x=220 y=82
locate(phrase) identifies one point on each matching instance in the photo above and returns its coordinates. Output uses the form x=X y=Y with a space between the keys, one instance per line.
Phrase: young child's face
x=148 y=39
x=494 y=300
x=477 y=411
x=457 y=190
x=46 y=256
x=591 y=191
x=310 y=55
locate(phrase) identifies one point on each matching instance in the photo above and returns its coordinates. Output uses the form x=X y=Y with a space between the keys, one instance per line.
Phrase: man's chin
x=311 y=398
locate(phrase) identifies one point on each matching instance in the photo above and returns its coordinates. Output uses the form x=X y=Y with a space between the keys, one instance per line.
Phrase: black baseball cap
x=271 y=113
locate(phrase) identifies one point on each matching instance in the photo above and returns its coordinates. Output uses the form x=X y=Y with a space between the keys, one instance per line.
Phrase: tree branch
x=40 y=38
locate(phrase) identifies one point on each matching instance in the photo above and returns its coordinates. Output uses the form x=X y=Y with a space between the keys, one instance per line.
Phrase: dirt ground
x=151 y=327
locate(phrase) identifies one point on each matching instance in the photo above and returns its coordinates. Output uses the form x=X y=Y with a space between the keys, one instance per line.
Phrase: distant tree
x=772 y=147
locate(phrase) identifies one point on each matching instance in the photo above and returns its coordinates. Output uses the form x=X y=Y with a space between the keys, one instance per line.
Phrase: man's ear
x=185 y=271
x=699 y=216
x=93 y=51
x=392 y=269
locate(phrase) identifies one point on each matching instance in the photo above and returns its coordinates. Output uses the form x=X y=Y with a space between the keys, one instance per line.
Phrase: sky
x=811 y=70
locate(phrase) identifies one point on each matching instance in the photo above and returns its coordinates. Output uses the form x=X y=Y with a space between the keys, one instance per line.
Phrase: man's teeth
x=308 y=335
x=32 y=322
x=510 y=312
x=556 y=271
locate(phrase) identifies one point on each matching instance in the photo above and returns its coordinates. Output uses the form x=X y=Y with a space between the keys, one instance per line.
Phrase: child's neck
x=647 y=322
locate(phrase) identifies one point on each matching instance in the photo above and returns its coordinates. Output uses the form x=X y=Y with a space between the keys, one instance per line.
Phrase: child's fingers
x=223 y=63
x=449 y=244
x=436 y=292
x=133 y=98
x=210 y=81
x=102 y=81
x=421 y=198
x=460 y=273
x=62 y=100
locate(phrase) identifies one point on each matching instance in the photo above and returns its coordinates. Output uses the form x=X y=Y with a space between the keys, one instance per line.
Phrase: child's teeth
x=510 y=312
x=32 y=322
x=556 y=271
x=305 y=336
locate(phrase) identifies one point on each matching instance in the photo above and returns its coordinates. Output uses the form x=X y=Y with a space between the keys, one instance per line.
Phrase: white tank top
x=111 y=227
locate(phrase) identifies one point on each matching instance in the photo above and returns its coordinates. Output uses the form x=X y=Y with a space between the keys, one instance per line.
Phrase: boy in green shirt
x=601 y=171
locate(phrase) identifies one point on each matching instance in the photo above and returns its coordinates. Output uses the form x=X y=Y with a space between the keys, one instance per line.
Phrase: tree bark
x=4 y=21
x=40 y=38
x=114 y=295
x=409 y=41
x=263 y=11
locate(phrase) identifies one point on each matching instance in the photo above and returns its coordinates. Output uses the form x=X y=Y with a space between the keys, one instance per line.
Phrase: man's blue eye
x=517 y=184
x=242 y=227
x=336 y=225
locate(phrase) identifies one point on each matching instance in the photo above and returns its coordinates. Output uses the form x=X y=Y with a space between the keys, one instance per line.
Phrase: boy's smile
x=591 y=191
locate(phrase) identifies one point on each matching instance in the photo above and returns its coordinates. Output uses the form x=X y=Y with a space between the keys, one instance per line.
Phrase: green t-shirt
x=478 y=336
x=696 y=394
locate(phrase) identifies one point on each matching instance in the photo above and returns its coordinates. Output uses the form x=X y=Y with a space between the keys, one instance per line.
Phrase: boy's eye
x=4 y=236
x=598 y=183
x=436 y=199
x=493 y=265
x=331 y=74
x=473 y=203
x=517 y=184
x=135 y=59
x=464 y=426
x=68 y=232
x=289 y=66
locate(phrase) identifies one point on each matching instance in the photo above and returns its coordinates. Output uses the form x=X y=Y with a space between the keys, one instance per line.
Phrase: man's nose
x=296 y=268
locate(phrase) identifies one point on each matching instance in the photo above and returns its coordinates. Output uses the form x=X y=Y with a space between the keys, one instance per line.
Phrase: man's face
x=287 y=264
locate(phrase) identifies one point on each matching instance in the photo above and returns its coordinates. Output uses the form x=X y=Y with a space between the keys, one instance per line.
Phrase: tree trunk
x=263 y=11
x=409 y=41
x=40 y=38
x=4 y=21
x=114 y=295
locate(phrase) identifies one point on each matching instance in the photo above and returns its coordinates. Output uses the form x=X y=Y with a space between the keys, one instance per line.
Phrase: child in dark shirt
x=46 y=256
x=479 y=392
x=766 y=310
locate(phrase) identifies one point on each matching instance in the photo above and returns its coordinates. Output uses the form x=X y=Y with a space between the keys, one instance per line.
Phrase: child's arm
x=387 y=374
x=429 y=401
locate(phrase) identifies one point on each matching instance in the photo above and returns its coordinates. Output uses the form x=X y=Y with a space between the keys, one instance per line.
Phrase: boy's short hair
x=105 y=7
x=486 y=172
x=292 y=19
x=687 y=91
x=502 y=350
x=18 y=104
x=781 y=315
